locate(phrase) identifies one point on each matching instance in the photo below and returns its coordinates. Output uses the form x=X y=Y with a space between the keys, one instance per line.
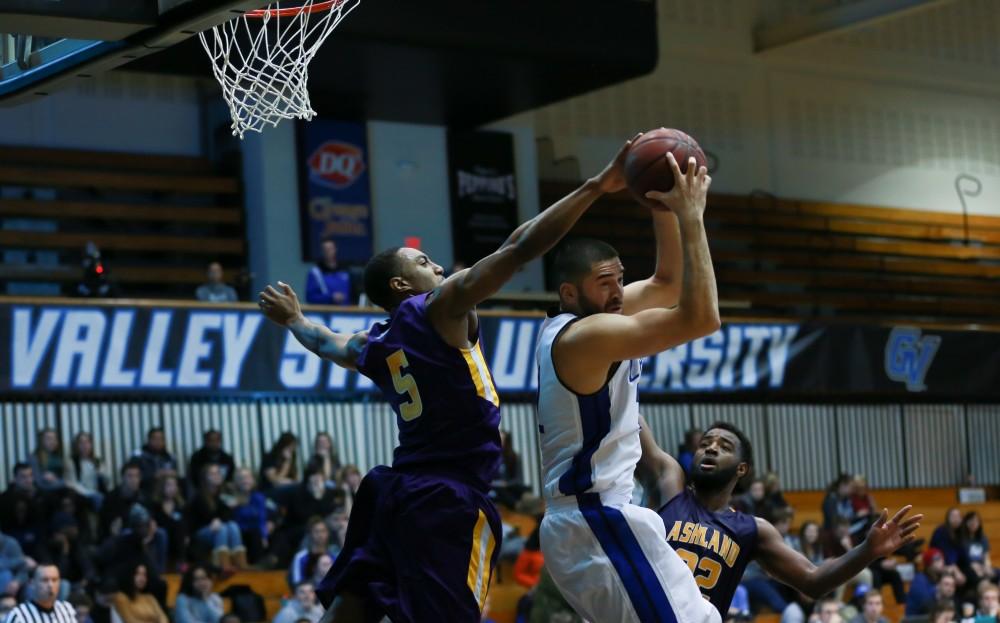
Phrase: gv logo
x=336 y=164
x=908 y=356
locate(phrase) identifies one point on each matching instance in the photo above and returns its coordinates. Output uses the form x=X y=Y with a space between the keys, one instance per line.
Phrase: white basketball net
x=261 y=60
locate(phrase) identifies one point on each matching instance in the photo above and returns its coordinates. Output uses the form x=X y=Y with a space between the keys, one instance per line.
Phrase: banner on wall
x=103 y=350
x=483 y=192
x=335 y=198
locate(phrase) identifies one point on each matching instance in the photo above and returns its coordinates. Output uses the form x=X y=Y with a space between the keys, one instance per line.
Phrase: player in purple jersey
x=717 y=542
x=423 y=535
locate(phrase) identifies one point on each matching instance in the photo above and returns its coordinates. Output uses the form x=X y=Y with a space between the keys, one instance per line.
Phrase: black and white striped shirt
x=30 y=612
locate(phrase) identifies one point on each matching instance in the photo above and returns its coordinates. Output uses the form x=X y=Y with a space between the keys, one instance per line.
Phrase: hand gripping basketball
x=687 y=197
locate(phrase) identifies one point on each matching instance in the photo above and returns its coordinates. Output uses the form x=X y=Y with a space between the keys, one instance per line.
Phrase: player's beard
x=588 y=307
x=715 y=480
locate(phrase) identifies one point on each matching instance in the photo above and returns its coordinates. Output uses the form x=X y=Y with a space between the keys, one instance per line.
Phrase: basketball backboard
x=44 y=42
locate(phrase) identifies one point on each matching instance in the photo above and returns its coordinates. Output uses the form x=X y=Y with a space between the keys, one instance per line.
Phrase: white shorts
x=613 y=563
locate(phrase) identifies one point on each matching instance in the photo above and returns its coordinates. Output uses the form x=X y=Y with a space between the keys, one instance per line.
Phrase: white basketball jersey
x=589 y=443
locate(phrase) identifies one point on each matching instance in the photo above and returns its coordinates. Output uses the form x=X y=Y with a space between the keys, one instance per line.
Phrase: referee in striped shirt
x=43 y=605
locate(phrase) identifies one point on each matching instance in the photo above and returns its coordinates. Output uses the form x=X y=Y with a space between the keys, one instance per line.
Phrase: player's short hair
x=379 y=270
x=576 y=258
x=746 y=448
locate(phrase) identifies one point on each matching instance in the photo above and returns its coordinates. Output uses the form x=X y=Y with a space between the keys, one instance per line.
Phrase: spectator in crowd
x=810 y=544
x=338 y=527
x=508 y=485
x=752 y=502
x=862 y=502
x=84 y=471
x=167 y=509
x=838 y=544
x=65 y=550
x=7 y=603
x=946 y=536
x=311 y=498
x=96 y=282
x=215 y=289
x=47 y=461
x=923 y=588
x=118 y=503
x=871 y=609
x=837 y=503
x=104 y=597
x=154 y=458
x=304 y=606
x=946 y=589
x=22 y=511
x=14 y=566
x=773 y=496
x=196 y=603
x=134 y=603
x=140 y=542
x=317 y=541
x=317 y=566
x=44 y=603
x=350 y=480
x=211 y=452
x=324 y=458
x=942 y=612
x=82 y=605
x=826 y=610
x=252 y=512
x=528 y=567
x=974 y=550
x=280 y=466
x=988 y=610
x=210 y=522
x=326 y=284
x=685 y=454
x=884 y=572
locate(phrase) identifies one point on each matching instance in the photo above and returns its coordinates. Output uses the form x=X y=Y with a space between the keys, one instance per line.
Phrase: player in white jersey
x=608 y=557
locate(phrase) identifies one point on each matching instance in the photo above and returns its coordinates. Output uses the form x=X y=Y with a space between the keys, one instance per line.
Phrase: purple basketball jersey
x=717 y=546
x=446 y=404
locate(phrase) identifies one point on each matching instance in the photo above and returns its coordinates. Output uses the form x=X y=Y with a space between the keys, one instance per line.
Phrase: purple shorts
x=419 y=548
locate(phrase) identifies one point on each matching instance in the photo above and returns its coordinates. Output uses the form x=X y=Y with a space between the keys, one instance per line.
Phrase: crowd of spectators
x=108 y=541
x=72 y=538
x=953 y=577
x=101 y=544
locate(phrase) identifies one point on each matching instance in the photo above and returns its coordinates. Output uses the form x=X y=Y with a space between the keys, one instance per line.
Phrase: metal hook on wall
x=966 y=191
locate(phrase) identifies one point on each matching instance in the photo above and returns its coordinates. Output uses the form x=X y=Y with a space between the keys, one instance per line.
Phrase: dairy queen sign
x=335 y=196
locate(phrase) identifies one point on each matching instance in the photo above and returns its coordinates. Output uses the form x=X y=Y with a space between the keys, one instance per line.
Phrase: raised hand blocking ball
x=646 y=166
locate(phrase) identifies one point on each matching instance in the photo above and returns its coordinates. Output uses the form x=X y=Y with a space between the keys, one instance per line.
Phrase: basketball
x=646 y=165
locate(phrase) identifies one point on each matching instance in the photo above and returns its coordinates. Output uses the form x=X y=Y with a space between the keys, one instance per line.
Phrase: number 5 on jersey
x=405 y=384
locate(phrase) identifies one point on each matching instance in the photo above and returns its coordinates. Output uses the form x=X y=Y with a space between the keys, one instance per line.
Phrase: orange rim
x=295 y=10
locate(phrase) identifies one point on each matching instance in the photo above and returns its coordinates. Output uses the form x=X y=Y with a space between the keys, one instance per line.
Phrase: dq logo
x=908 y=356
x=336 y=164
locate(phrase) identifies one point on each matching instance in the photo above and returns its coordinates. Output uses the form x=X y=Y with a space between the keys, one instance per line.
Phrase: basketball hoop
x=261 y=60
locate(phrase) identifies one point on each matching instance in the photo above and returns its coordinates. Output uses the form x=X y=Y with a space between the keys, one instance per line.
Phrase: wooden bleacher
x=158 y=220
x=800 y=259
x=271 y=585
x=932 y=502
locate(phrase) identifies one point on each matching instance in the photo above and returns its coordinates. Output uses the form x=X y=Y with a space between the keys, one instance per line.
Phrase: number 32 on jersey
x=706 y=571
